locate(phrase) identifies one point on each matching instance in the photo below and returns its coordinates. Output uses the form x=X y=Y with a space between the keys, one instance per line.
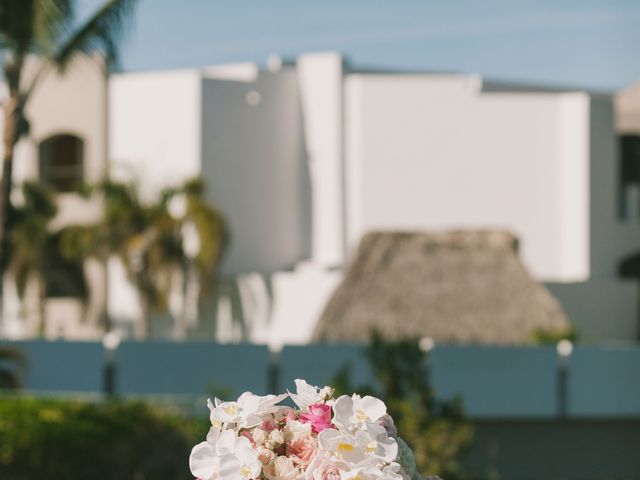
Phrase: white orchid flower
x=307 y=395
x=212 y=406
x=224 y=456
x=204 y=460
x=354 y=412
x=341 y=445
x=394 y=471
x=242 y=463
x=363 y=473
x=388 y=472
x=247 y=411
x=375 y=442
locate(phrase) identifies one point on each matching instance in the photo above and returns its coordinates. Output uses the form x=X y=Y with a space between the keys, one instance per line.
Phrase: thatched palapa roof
x=463 y=286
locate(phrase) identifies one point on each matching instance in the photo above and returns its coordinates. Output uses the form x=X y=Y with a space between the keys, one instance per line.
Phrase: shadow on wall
x=259 y=126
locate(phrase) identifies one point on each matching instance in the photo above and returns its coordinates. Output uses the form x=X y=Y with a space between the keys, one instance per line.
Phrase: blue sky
x=591 y=43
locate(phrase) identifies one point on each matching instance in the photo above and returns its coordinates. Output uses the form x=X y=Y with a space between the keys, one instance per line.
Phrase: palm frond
x=100 y=32
x=33 y=26
x=81 y=241
x=16 y=27
x=29 y=233
x=211 y=230
x=39 y=200
x=51 y=20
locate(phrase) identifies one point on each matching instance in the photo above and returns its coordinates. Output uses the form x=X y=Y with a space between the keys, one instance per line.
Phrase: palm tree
x=203 y=239
x=45 y=28
x=152 y=241
x=29 y=236
x=11 y=377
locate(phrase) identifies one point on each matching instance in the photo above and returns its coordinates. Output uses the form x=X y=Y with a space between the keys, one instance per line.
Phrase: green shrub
x=12 y=365
x=436 y=431
x=543 y=336
x=55 y=439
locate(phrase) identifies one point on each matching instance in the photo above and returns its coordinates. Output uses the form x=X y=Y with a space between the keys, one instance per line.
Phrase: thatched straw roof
x=466 y=286
x=627 y=107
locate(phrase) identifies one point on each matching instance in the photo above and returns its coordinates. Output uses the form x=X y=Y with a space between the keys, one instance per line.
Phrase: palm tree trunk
x=9 y=139
x=181 y=317
x=42 y=306
x=141 y=330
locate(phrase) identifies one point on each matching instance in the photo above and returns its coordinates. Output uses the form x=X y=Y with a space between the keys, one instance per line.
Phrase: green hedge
x=56 y=439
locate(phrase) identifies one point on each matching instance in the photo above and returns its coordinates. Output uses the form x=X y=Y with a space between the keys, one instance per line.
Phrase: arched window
x=62 y=162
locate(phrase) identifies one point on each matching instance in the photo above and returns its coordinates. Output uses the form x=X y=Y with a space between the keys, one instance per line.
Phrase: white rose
x=276 y=438
x=295 y=430
x=259 y=436
x=265 y=455
x=282 y=468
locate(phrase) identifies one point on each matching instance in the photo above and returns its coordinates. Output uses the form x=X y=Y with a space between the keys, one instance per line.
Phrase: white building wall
x=155 y=125
x=321 y=80
x=299 y=299
x=73 y=103
x=433 y=152
x=255 y=169
x=612 y=238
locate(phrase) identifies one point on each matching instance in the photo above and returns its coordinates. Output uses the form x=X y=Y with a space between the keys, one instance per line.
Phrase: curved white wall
x=255 y=168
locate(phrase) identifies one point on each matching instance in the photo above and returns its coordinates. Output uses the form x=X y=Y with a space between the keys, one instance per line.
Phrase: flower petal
x=373 y=407
x=203 y=461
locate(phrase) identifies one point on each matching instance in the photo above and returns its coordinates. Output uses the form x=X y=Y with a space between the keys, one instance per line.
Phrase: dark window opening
x=63 y=277
x=62 y=162
x=629 y=266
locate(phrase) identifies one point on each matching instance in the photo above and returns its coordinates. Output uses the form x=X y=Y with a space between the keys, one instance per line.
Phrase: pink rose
x=268 y=425
x=322 y=467
x=291 y=415
x=319 y=417
x=301 y=451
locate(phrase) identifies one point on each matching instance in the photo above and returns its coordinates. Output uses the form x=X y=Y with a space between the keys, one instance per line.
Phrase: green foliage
x=12 y=364
x=149 y=237
x=551 y=337
x=217 y=390
x=47 y=28
x=68 y=439
x=29 y=233
x=436 y=431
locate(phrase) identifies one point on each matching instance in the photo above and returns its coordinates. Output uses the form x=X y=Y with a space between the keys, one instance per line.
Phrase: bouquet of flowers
x=325 y=438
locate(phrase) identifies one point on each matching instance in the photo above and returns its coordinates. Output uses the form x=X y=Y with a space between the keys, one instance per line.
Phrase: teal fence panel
x=497 y=381
x=604 y=382
x=191 y=368
x=62 y=366
x=318 y=364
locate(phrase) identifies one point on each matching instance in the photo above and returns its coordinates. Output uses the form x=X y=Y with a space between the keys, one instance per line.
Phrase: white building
x=67 y=143
x=305 y=157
